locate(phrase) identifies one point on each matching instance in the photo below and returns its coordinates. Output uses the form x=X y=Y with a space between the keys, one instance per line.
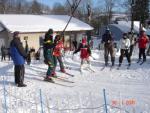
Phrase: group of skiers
x=53 y=45
x=126 y=46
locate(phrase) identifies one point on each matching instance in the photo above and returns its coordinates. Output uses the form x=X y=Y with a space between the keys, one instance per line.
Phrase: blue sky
x=51 y=2
x=96 y=2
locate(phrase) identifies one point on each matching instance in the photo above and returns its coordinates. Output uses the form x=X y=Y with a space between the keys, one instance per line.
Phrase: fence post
x=105 y=100
x=41 y=101
x=5 y=99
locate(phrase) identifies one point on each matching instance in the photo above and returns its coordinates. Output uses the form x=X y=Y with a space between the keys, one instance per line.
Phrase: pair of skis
x=141 y=62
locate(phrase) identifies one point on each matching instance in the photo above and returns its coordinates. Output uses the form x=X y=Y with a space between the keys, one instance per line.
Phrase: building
x=33 y=27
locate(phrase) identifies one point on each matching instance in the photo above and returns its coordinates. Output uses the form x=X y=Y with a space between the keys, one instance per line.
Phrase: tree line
x=97 y=13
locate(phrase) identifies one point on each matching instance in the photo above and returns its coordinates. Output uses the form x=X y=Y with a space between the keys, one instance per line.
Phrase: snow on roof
x=41 y=23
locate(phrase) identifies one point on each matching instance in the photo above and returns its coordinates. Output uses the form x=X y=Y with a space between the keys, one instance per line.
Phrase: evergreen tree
x=141 y=10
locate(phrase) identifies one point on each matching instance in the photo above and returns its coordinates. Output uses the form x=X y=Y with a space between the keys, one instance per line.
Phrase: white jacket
x=124 y=43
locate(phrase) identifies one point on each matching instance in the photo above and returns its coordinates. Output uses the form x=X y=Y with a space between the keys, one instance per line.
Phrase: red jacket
x=57 y=49
x=85 y=51
x=142 y=41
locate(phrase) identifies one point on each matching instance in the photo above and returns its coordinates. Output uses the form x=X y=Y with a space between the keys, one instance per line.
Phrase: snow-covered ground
x=126 y=90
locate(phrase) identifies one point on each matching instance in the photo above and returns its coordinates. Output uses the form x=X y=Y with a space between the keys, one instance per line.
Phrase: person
x=3 y=53
x=28 y=57
x=124 y=46
x=107 y=39
x=57 y=52
x=49 y=58
x=75 y=44
x=142 y=42
x=132 y=39
x=85 y=52
x=18 y=56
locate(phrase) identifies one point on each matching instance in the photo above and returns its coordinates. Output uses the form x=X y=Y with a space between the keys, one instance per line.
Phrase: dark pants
x=142 y=53
x=3 y=57
x=124 y=52
x=19 y=74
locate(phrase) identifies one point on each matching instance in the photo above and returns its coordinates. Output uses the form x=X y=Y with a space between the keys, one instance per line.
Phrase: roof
x=41 y=23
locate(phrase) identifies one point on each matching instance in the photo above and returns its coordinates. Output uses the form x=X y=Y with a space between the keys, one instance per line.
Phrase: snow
x=126 y=90
x=41 y=23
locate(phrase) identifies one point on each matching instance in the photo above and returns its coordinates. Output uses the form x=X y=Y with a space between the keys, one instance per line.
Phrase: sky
x=95 y=2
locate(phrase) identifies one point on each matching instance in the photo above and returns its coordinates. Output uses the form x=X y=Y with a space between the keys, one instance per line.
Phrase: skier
x=124 y=46
x=57 y=52
x=142 y=41
x=85 y=52
x=108 y=46
x=18 y=56
x=132 y=39
x=49 y=59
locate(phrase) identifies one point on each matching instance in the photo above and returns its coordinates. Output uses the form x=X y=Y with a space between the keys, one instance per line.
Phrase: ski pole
x=5 y=98
x=105 y=100
x=41 y=101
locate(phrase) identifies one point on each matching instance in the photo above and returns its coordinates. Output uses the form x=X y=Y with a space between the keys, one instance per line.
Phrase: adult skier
x=18 y=56
x=124 y=46
x=142 y=43
x=49 y=58
x=107 y=39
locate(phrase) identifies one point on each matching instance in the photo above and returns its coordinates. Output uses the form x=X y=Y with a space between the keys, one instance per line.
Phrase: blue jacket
x=17 y=52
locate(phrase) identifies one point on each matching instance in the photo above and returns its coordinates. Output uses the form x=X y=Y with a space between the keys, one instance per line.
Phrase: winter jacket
x=107 y=38
x=58 y=48
x=17 y=52
x=48 y=45
x=124 y=43
x=85 y=51
x=142 y=41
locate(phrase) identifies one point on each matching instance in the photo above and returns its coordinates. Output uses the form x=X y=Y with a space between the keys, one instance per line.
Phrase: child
x=125 y=46
x=57 y=52
x=85 y=52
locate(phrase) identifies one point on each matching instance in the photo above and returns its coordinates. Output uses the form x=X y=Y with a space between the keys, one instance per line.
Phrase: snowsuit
x=18 y=56
x=58 y=55
x=108 y=48
x=142 y=41
x=50 y=60
x=85 y=52
x=125 y=46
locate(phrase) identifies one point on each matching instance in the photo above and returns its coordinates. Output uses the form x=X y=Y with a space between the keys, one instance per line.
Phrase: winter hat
x=124 y=35
x=84 y=41
x=50 y=31
x=15 y=33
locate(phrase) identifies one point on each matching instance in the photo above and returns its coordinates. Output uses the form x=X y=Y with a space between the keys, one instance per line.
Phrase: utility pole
x=132 y=14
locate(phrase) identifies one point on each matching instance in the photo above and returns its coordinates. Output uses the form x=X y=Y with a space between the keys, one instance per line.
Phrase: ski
x=62 y=79
x=90 y=69
x=57 y=83
x=103 y=68
x=111 y=68
x=69 y=74
x=142 y=62
x=138 y=61
x=128 y=67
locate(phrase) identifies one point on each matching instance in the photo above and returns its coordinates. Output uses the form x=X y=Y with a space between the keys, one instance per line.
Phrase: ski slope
x=127 y=90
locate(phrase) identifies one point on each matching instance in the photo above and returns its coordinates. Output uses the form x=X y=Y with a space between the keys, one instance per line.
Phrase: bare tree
x=3 y=6
x=109 y=5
